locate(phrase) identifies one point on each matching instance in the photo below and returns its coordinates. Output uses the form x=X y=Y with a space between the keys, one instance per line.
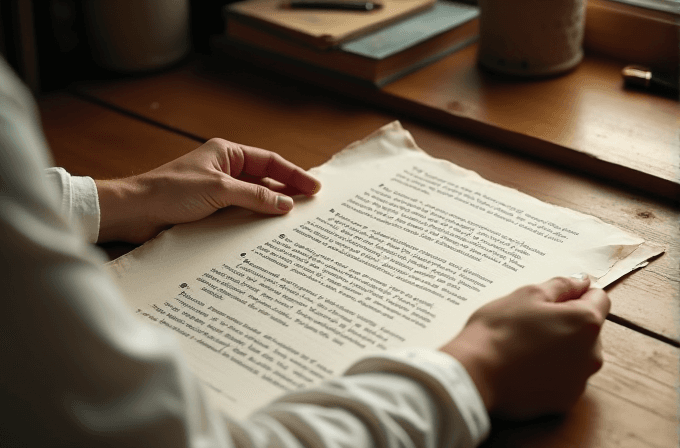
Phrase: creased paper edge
x=348 y=151
x=639 y=258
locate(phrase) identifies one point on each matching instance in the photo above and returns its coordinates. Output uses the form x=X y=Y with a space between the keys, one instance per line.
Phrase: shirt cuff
x=79 y=200
x=446 y=378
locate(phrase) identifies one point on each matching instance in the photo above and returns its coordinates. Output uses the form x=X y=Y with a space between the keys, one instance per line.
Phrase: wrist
x=470 y=351
x=123 y=214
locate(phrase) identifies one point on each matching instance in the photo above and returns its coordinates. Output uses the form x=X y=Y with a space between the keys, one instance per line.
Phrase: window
x=644 y=32
x=672 y=6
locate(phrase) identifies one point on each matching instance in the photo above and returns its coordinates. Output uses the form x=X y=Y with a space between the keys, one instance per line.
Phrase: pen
x=644 y=78
x=341 y=5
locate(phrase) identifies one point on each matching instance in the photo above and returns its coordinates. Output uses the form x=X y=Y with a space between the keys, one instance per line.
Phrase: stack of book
x=373 y=47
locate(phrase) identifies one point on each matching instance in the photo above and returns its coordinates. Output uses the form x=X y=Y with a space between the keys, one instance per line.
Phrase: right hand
x=530 y=353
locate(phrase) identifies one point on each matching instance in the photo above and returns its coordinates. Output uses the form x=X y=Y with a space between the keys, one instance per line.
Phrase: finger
x=595 y=300
x=561 y=289
x=261 y=163
x=271 y=184
x=257 y=198
x=282 y=189
x=275 y=185
x=278 y=187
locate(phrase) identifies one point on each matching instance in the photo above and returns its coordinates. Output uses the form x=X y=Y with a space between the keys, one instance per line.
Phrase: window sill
x=633 y=35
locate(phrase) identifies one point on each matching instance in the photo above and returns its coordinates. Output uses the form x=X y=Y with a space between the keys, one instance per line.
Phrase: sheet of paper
x=397 y=249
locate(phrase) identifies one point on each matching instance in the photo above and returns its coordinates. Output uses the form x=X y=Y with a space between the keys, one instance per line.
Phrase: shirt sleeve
x=409 y=397
x=84 y=371
x=79 y=201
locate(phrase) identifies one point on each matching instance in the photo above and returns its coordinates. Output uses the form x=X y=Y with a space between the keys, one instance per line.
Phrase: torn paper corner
x=639 y=258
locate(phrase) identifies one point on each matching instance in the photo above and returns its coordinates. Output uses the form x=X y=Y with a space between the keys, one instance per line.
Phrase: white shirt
x=79 y=369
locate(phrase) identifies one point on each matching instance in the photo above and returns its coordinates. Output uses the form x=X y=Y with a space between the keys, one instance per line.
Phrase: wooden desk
x=315 y=123
x=584 y=120
x=135 y=124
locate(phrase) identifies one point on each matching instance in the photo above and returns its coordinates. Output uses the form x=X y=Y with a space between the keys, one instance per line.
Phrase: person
x=79 y=369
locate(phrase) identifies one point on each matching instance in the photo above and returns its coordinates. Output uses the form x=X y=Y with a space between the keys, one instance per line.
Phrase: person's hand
x=217 y=174
x=530 y=353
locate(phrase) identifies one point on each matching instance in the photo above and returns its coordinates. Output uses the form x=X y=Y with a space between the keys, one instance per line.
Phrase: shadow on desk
x=577 y=429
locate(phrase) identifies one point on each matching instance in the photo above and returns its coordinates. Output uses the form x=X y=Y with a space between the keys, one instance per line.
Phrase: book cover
x=442 y=17
x=377 y=58
x=319 y=28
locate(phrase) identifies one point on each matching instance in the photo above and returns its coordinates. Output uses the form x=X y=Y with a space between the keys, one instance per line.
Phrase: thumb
x=258 y=198
x=562 y=289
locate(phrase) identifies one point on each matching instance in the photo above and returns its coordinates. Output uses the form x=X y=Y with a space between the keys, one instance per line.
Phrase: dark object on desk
x=159 y=30
x=640 y=77
x=377 y=58
x=342 y=5
x=320 y=29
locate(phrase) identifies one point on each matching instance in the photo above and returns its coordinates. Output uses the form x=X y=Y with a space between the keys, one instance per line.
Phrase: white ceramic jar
x=531 y=37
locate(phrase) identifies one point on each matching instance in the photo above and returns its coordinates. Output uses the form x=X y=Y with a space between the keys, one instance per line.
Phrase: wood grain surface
x=89 y=140
x=631 y=402
x=584 y=120
x=308 y=124
x=587 y=110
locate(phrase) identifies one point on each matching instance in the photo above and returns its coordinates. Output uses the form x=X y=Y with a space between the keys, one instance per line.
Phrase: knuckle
x=221 y=186
x=533 y=291
x=223 y=150
x=261 y=194
x=591 y=318
x=222 y=182
x=562 y=282
x=490 y=314
x=219 y=142
x=273 y=160
x=587 y=322
x=478 y=315
x=597 y=362
x=273 y=157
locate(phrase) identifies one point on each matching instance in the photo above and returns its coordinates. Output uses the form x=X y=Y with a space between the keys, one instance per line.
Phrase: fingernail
x=580 y=276
x=284 y=203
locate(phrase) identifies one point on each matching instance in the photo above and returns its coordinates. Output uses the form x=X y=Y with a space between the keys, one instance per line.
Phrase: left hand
x=216 y=175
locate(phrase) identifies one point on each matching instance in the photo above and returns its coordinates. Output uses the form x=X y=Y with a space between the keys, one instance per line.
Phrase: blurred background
x=50 y=43
x=54 y=43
